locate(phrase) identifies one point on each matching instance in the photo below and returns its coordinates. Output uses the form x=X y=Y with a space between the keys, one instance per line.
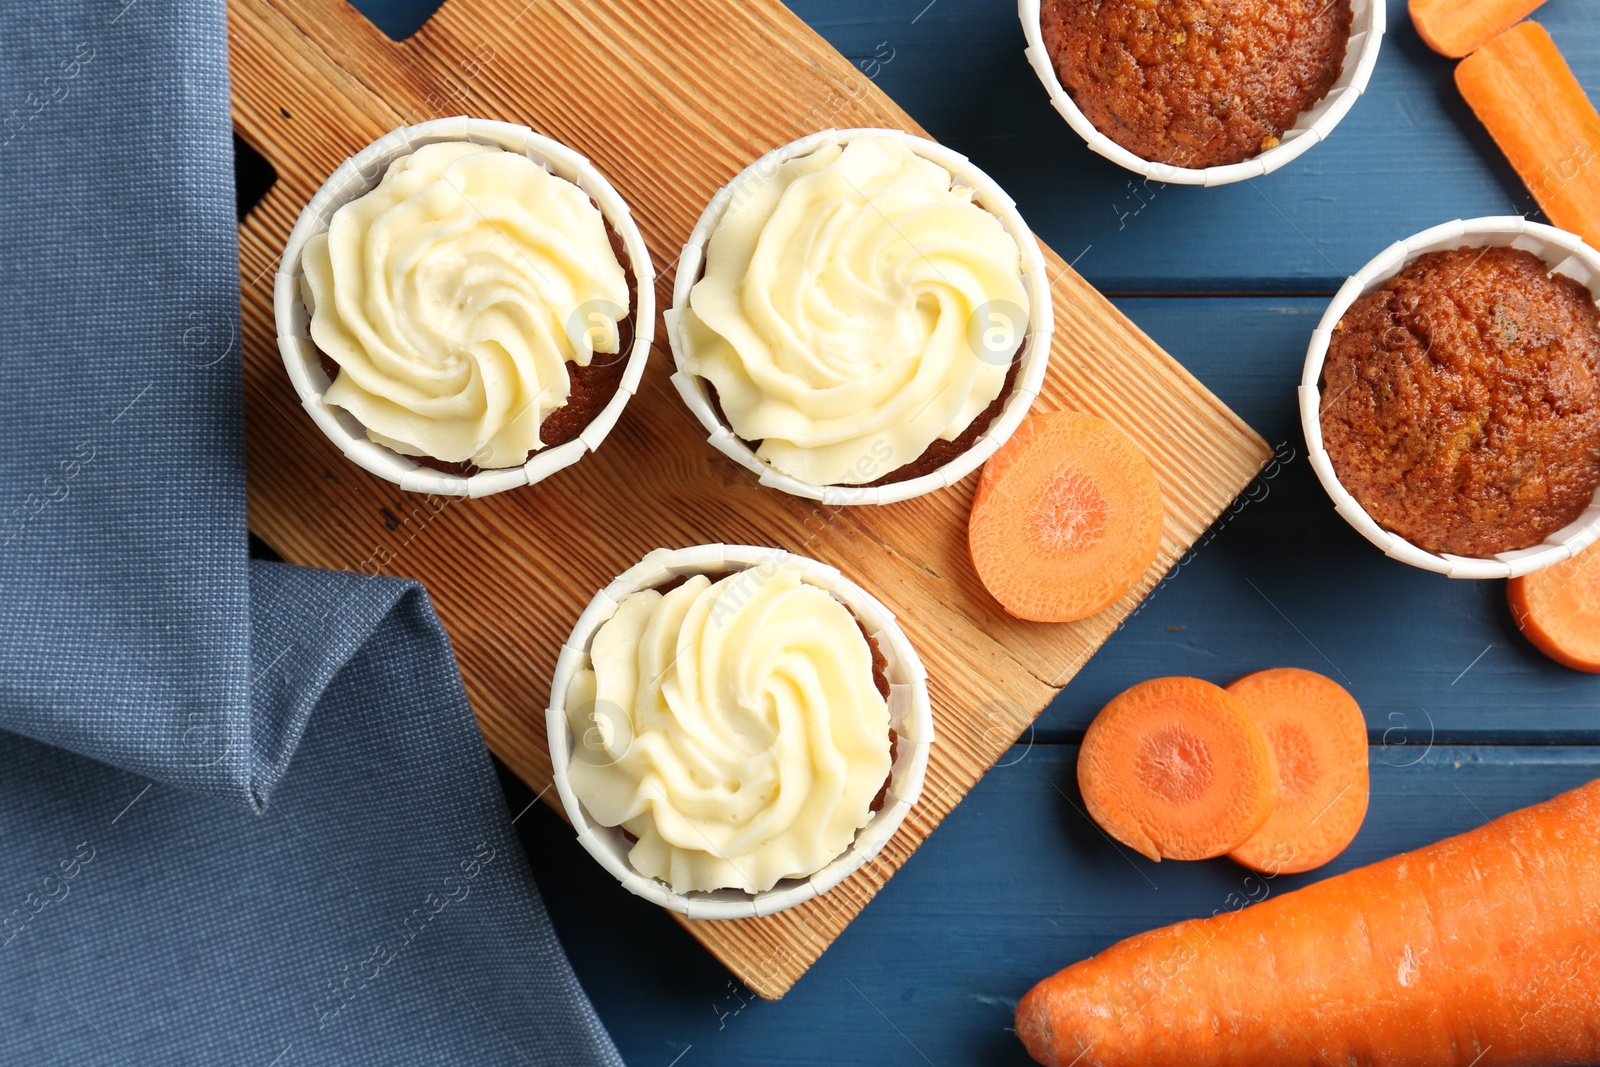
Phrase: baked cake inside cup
x=1196 y=83
x=1461 y=401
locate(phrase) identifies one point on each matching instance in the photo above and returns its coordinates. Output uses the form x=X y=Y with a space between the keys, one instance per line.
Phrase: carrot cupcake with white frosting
x=869 y=306
x=750 y=737
x=445 y=298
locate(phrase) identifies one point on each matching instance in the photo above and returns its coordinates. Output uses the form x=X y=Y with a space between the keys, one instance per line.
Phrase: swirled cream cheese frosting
x=454 y=295
x=856 y=306
x=733 y=727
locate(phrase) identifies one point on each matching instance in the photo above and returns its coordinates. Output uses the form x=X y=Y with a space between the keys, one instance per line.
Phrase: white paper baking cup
x=360 y=174
x=1367 y=23
x=1564 y=253
x=910 y=714
x=1035 y=348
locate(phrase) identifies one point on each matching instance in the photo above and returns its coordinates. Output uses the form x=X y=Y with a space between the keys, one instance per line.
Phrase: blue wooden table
x=1466 y=720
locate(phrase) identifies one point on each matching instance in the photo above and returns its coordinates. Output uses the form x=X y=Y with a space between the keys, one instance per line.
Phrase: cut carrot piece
x=1066 y=518
x=1455 y=27
x=1175 y=769
x=1318 y=738
x=1524 y=92
x=1559 y=610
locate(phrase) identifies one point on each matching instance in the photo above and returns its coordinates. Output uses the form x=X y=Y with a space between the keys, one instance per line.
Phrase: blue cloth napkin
x=245 y=813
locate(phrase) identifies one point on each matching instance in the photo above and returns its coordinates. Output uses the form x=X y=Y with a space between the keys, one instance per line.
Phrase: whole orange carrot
x=1482 y=949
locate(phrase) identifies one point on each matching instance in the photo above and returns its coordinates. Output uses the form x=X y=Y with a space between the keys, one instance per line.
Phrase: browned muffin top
x=1461 y=401
x=1196 y=83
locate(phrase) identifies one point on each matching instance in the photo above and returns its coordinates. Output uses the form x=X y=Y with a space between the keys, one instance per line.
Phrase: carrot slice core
x=1176 y=764
x=1072 y=515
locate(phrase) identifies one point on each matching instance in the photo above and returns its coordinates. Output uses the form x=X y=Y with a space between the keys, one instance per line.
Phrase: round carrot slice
x=1318 y=738
x=1066 y=518
x=1175 y=769
x=1558 y=609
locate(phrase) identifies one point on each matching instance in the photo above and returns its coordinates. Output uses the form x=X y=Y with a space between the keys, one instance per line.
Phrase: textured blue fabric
x=246 y=815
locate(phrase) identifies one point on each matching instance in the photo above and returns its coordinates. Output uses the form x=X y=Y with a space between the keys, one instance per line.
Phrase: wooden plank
x=508 y=574
x=1016 y=885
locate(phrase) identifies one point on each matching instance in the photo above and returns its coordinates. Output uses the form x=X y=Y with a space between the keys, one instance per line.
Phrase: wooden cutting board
x=669 y=101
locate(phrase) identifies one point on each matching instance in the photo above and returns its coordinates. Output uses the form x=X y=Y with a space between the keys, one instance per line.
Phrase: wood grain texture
x=669 y=115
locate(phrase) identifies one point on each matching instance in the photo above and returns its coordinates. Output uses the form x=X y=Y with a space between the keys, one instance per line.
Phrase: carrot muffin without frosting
x=1196 y=83
x=1461 y=401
